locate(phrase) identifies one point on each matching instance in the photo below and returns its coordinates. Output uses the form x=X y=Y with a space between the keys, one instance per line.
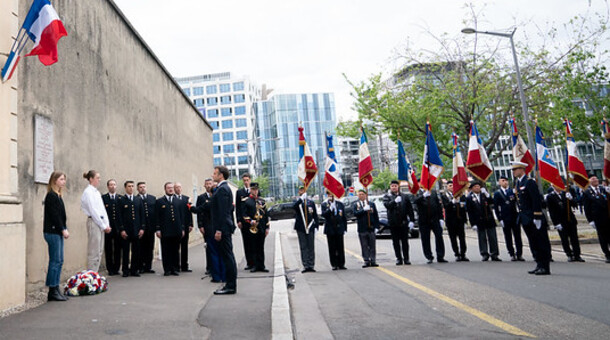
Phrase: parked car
x=284 y=211
x=384 y=228
x=349 y=202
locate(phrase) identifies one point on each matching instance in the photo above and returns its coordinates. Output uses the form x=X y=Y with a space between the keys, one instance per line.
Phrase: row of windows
x=229 y=136
x=212 y=101
x=213 y=89
x=228 y=124
x=231 y=161
x=226 y=111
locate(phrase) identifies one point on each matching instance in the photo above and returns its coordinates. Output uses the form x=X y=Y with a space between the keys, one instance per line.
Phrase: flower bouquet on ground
x=86 y=282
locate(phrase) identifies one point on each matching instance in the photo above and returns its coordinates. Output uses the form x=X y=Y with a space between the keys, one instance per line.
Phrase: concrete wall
x=115 y=109
x=12 y=229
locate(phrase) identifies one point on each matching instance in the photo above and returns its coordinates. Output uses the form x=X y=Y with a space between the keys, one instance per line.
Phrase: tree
x=383 y=179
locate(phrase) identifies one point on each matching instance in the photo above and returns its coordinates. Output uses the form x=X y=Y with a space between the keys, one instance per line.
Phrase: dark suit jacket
x=222 y=209
x=367 y=220
x=149 y=212
x=596 y=206
x=240 y=196
x=202 y=209
x=455 y=213
x=113 y=211
x=310 y=213
x=186 y=215
x=249 y=210
x=529 y=201
x=336 y=222
x=132 y=215
x=558 y=209
x=168 y=217
x=505 y=206
x=480 y=213
x=429 y=209
x=398 y=212
x=54 y=221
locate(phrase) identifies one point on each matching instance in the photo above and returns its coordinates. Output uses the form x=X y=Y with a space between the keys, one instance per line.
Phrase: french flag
x=306 y=169
x=520 y=151
x=574 y=165
x=432 y=166
x=460 y=178
x=547 y=167
x=42 y=26
x=365 y=164
x=477 y=163
x=332 y=179
x=405 y=170
x=606 y=136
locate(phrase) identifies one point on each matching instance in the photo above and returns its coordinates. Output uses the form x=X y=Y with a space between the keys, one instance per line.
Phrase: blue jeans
x=56 y=258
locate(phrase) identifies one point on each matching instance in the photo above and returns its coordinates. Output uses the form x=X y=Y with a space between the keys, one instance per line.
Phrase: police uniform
x=132 y=216
x=254 y=212
x=505 y=206
x=455 y=219
x=147 y=242
x=430 y=213
x=560 y=208
x=171 y=227
x=112 y=242
x=334 y=228
x=596 y=203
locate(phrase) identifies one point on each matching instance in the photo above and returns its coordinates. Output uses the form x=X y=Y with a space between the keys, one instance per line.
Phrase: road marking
x=473 y=311
x=281 y=324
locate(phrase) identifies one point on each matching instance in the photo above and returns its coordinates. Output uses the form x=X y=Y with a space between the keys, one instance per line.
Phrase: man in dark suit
x=132 y=229
x=598 y=214
x=482 y=220
x=505 y=206
x=560 y=205
x=113 y=242
x=187 y=218
x=241 y=196
x=335 y=227
x=456 y=218
x=401 y=219
x=306 y=223
x=368 y=221
x=532 y=219
x=222 y=220
x=256 y=222
x=170 y=229
x=430 y=210
x=147 y=242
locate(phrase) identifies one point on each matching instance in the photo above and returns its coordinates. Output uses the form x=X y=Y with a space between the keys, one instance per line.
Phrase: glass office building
x=277 y=122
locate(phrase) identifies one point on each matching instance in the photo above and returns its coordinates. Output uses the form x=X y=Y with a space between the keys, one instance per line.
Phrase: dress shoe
x=485 y=258
x=134 y=274
x=607 y=259
x=342 y=268
x=187 y=270
x=225 y=291
x=399 y=262
x=112 y=273
x=207 y=272
x=465 y=259
x=441 y=260
x=174 y=273
x=366 y=264
x=374 y=264
x=166 y=274
x=335 y=268
x=407 y=263
x=148 y=271
x=542 y=271
x=513 y=258
x=458 y=259
x=430 y=260
x=520 y=258
x=496 y=259
x=215 y=281
x=249 y=268
x=125 y=274
x=579 y=259
x=312 y=270
x=570 y=258
x=55 y=295
x=533 y=271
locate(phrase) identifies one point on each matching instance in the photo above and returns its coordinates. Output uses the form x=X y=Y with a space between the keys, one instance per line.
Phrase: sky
x=307 y=46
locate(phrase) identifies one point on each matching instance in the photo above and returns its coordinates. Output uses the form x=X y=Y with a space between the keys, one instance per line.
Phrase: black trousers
x=258 y=249
x=511 y=229
x=112 y=249
x=184 y=250
x=424 y=231
x=539 y=244
x=170 y=247
x=603 y=235
x=131 y=243
x=456 y=233
x=569 y=236
x=336 y=250
x=147 y=247
x=225 y=249
x=400 y=241
x=248 y=239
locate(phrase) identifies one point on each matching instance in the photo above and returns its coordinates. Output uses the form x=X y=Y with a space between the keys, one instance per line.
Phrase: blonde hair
x=53 y=179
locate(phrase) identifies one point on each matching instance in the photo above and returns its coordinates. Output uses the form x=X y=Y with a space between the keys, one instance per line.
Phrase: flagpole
x=567 y=168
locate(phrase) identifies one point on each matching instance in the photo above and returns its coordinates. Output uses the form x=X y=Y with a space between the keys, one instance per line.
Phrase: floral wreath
x=86 y=282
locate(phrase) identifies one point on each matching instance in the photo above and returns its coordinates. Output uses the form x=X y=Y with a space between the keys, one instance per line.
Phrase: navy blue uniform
x=430 y=212
x=306 y=215
x=368 y=222
x=171 y=227
x=560 y=209
x=505 y=205
x=334 y=228
x=253 y=209
x=455 y=220
x=222 y=219
x=248 y=239
x=132 y=216
x=399 y=216
x=147 y=242
x=187 y=217
x=113 y=241
x=596 y=203
x=481 y=216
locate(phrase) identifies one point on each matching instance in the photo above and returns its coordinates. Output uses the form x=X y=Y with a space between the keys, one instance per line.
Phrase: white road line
x=281 y=324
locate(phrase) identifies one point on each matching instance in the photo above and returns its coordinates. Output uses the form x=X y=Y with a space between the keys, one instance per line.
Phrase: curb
x=281 y=324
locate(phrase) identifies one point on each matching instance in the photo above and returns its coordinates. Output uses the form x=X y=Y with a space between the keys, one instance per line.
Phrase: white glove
x=366 y=207
x=569 y=196
x=538 y=224
x=411 y=225
x=426 y=193
x=442 y=223
x=592 y=223
x=398 y=199
x=484 y=191
x=474 y=227
x=456 y=201
x=502 y=224
x=558 y=227
x=304 y=196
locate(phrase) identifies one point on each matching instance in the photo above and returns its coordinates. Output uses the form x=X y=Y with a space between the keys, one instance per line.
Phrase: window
x=225 y=100
x=226 y=111
x=242 y=147
x=213 y=113
x=241 y=122
x=214 y=125
x=216 y=149
x=239 y=86
x=212 y=101
x=240 y=98
x=217 y=161
x=211 y=89
x=229 y=148
x=198 y=102
x=227 y=136
x=197 y=91
x=229 y=160
x=241 y=134
x=216 y=137
x=227 y=124
x=187 y=91
x=225 y=88
x=240 y=110
x=242 y=160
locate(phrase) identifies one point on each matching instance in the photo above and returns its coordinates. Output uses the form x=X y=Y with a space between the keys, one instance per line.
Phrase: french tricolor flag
x=477 y=163
x=365 y=164
x=306 y=169
x=574 y=165
x=43 y=27
x=405 y=170
x=332 y=179
x=606 y=136
x=520 y=151
x=547 y=167
x=432 y=166
x=460 y=178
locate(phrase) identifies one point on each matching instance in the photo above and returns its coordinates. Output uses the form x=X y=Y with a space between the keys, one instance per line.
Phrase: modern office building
x=226 y=102
x=277 y=136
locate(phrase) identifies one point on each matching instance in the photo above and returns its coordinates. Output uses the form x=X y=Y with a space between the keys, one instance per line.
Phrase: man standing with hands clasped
x=560 y=204
x=306 y=223
x=505 y=205
x=368 y=221
x=596 y=210
x=401 y=219
x=334 y=228
x=170 y=229
x=132 y=229
x=482 y=220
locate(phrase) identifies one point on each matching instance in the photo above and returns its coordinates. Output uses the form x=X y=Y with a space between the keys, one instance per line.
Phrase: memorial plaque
x=43 y=149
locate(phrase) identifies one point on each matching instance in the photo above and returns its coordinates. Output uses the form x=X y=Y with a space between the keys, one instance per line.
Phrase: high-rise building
x=277 y=136
x=226 y=102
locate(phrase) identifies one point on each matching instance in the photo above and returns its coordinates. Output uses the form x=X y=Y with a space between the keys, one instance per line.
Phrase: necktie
x=131 y=198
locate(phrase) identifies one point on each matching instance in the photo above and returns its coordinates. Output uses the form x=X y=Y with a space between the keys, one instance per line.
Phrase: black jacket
x=168 y=217
x=310 y=213
x=222 y=209
x=241 y=195
x=529 y=201
x=186 y=215
x=505 y=205
x=596 y=206
x=113 y=211
x=250 y=209
x=132 y=215
x=149 y=212
x=429 y=209
x=202 y=209
x=480 y=212
x=401 y=213
x=455 y=213
x=367 y=220
x=336 y=222
x=54 y=221
x=559 y=210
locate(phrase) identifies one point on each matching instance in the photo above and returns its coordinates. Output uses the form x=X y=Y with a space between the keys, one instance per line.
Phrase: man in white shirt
x=97 y=221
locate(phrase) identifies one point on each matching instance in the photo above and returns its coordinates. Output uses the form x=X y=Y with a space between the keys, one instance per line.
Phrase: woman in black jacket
x=55 y=231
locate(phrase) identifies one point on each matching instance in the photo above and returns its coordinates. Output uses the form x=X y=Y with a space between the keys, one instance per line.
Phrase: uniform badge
x=163 y=207
x=310 y=210
x=126 y=206
x=340 y=212
x=106 y=205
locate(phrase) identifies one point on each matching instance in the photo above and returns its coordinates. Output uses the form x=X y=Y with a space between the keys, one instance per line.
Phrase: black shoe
x=485 y=258
x=513 y=258
x=135 y=274
x=570 y=258
x=520 y=258
x=112 y=273
x=374 y=264
x=55 y=295
x=430 y=260
x=366 y=264
x=225 y=291
x=542 y=271
x=312 y=270
x=207 y=272
x=465 y=259
x=458 y=258
x=166 y=274
x=249 y=268
x=187 y=270
x=399 y=262
x=148 y=271
x=496 y=259
x=441 y=260
x=174 y=273
x=335 y=268
x=215 y=281
x=342 y=268
x=579 y=259
x=407 y=263
x=533 y=271
x=125 y=274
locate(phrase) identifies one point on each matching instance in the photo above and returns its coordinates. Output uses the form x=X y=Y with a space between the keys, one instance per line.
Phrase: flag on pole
x=477 y=163
x=405 y=170
x=365 y=165
x=574 y=164
x=547 y=167
x=606 y=136
x=41 y=25
x=432 y=166
x=520 y=151
x=307 y=168
x=460 y=178
x=332 y=179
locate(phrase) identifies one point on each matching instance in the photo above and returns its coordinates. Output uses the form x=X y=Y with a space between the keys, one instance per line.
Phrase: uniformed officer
x=170 y=229
x=112 y=244
x=335 y=227
x=430 y=213
x=482 y=220
x=531 y=218
x=596 y=203
x=401 y=219
x=505 y=206
x=368 y=221
x=306 y=223
x=240 y=196
x=187 y=219
x=147 y=242
x=560 y=205
x=456 y=218
x=256 y=222
x=132 y=229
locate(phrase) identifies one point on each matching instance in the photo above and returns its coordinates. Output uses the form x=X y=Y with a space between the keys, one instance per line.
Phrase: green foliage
x=262 y=180
x=382 y=180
